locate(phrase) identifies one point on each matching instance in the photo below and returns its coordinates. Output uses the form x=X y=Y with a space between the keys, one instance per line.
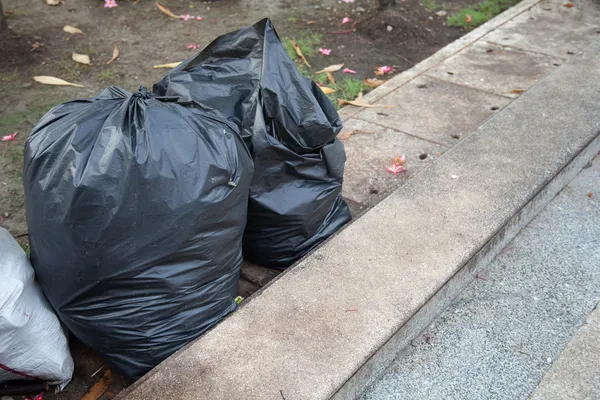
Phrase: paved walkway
x=508 y=328
x=449 y=95
x=443 y=99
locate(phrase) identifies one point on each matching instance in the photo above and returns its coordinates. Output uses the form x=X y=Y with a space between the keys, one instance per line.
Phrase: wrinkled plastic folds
x=33 y=344
x=289 y=125
x=136 y=208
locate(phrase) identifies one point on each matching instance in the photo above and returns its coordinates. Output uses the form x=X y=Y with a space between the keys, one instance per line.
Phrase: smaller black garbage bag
x=136 y=208
x=289 y=125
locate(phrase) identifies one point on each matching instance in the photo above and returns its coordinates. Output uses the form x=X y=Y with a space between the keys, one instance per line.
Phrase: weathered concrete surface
x=495 y=69
x=435 y=110
x=501 y=334
x=551 y=28
x=315 y=332
x=576 y=373
x=451 y=49
x=368 y=154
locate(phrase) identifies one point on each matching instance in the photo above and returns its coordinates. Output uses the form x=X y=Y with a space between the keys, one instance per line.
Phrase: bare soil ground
x=398 y=36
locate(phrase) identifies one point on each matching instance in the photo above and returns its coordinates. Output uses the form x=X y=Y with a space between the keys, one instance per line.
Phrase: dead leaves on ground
x=373 y=82
x=327 y=90
x=360 y=102
x=51 y=80
x=72 y=29
x=166 y=11
x=299 y=52
x=115 y=54
x=331 y=68
x=170 y=65
x=99 y=387
x=81 y=58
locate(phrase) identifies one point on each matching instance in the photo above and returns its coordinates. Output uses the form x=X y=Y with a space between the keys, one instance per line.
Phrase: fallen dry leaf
x=99 y=387
x=115 y=54
x=331 y=68
x=299 y=52
x=51 y=80
x=170 y=65
x=468 y=18
x=53 y=2
x=569 y=5
x=373 y=82
x=166 y=11
x=590 y=194
x=517 y=91
x=327 y=90
x=360 y=102
x=72 y=29
x=310 y=22
x=347 y=134
x=330 y=78
x=81 y=58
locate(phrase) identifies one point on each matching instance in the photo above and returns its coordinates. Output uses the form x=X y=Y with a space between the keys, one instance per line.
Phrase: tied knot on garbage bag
x=140 y=205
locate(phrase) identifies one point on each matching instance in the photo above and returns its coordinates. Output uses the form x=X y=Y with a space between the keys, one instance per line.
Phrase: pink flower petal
x=346 y=20
x=186 y=17
x=110 y=3
x=348 y=1
x=325 y=52
x=349 y=71
x=199 y=18
x=193 y=46
x=395 y=168
x=385 y=69
x=10 y=137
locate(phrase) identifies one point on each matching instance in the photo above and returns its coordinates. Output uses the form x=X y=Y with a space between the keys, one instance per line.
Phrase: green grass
x=308 y=42
x=22 y=122
x=431 y=5
x=10 y=76
x=480 y=13
x=107 y=76
x=345 y=88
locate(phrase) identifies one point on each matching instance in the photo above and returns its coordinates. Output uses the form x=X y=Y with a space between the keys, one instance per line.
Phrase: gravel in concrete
x=496 y=69
x=372 y=149
x=435 y=110
x=503 y=333
x=576 y=373
x=551 y=28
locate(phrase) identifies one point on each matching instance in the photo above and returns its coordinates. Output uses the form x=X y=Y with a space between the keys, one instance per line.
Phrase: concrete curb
x=330 y=325
x=441 y=55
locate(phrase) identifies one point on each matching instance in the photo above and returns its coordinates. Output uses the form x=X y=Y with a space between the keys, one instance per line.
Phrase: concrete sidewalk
x=508 y=327
x=331 y=324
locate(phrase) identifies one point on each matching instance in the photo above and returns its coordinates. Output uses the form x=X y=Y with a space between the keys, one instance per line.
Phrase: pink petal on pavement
x=385 y=69
x=199 y=18
x=325 y=52
x=346 y=20
x=186 y=17
x=349 y=71
x=193 y=46
x=10 y=137
x=348 y=1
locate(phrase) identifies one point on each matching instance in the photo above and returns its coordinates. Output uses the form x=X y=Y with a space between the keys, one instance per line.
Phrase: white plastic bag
x=33 y=344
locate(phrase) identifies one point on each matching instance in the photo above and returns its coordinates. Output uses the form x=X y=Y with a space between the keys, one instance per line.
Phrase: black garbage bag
x=136 y=208
x=289 y=125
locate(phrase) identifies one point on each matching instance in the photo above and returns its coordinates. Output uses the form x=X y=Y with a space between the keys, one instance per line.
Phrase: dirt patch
x=398 y=36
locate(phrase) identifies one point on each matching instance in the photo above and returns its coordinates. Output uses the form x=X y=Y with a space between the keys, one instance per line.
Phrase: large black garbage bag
x=290 y=127
x=136 y=209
